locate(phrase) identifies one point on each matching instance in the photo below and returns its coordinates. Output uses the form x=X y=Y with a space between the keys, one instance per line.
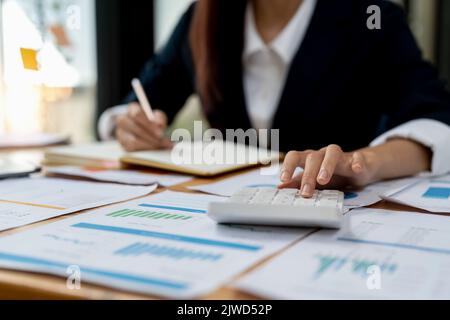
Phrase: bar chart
x=153 y=215
x=437 y=193
x=139 y=249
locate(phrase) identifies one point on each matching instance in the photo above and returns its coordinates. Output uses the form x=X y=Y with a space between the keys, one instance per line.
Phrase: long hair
x=212 y=24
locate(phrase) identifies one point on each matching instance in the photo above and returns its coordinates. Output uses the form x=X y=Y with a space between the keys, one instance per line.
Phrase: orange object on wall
x=29 y=59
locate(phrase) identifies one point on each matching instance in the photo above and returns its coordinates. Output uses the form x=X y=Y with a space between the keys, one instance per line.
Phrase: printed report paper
x=416 y=231
x=320 y=267
x=372 y=194
x=162 y=244
x=29 y=200
x=131 y=177
x=395 y=243
x=432 y=195
x=251 y=179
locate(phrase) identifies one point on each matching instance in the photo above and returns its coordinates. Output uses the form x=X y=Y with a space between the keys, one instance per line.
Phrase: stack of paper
x=29 y=200
x=163 y=245
x=131 y=177
x=378 y=255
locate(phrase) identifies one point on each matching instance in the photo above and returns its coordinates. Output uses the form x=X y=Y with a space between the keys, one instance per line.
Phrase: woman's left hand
x=329 y=167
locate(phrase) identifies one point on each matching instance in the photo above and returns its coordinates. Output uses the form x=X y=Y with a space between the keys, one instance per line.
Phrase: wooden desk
x=23 y=285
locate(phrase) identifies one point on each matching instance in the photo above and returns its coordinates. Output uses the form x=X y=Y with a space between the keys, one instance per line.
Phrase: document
x=372 y=194
x=393 y=243
x=252 y=179
x=163 y=244
x=131 y=177
x=29 y=200
x=16 y=215
x=321 y=267
x=353 y=199
x=432 y=195
x=415 y=231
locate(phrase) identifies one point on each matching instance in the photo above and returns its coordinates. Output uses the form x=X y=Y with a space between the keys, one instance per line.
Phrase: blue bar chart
x=437 y=193
x=139 y=249
x=169 y=236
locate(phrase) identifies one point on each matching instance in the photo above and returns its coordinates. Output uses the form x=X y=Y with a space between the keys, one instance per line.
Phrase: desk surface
x=23 y=285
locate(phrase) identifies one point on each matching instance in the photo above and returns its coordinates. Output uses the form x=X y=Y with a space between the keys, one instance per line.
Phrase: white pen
x=143 y=100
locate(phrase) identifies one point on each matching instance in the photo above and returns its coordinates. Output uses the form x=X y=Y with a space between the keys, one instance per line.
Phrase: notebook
x=96 y=155
x=198 y=158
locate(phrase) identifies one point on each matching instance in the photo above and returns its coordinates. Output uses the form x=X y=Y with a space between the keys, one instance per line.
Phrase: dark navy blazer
x=347 y=84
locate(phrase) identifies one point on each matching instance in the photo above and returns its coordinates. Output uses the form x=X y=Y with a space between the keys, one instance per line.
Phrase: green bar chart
x=153 y=215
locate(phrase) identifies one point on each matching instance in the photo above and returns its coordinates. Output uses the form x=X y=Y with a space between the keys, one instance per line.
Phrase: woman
x=362 y=102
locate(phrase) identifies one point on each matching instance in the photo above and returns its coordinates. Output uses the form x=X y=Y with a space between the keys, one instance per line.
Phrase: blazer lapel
x=233 y=109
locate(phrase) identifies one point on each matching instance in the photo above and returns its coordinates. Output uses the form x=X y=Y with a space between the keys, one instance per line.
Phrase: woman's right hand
x=136 y=132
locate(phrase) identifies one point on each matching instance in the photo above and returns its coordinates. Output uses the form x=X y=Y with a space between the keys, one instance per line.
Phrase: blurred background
x=89 y=50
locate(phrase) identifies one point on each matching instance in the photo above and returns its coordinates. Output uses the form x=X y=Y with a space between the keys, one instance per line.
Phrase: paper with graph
x=415 y=231
x=253 y=179
x=431 y=194
x=339 y=264
x=29 y=200
x=162 y=244
x=321 y=267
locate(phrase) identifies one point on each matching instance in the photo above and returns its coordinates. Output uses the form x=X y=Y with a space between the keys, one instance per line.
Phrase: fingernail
x=307 y=190
x=323 y=175
x=284 y=176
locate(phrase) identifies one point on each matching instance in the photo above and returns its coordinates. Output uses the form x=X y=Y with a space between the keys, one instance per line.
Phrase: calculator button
x=268 y=193
x=248 y=191
x=327 y=203
x=260 y=201
x=239 y=199
x=282 y=201
x=288 y=192
x=305 y=202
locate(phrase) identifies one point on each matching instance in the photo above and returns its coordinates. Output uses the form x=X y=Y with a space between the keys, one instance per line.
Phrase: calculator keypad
x=288 y=197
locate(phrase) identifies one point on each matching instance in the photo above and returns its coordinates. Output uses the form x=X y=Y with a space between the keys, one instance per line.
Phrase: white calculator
x=286 y=207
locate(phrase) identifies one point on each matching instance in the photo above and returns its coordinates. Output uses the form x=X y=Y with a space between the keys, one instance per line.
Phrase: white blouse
x=266 y=66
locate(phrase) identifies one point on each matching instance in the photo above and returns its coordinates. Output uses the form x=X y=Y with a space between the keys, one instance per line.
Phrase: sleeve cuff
x=106 y=124
x=430 y=133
